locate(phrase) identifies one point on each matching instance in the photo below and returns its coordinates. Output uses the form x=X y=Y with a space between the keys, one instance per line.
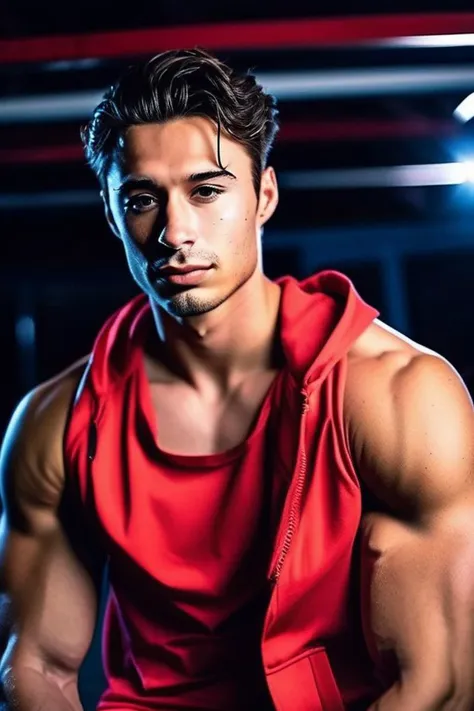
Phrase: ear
x=268 y=199
x=104 y=194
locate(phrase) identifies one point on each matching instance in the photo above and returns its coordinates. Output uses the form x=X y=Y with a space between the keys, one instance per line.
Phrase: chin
x=189 y=304
x=183 y=302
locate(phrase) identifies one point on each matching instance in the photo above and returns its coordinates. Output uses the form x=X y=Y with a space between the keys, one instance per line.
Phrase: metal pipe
x=286 y=86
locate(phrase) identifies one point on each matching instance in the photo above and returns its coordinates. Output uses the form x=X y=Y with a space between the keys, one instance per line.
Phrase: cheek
x=140 y=228
x=135 y=259
x=241 y=245
x=133 y=241
x=235 y=217
x=236 y=210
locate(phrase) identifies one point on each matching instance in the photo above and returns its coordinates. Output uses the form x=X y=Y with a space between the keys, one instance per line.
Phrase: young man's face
x=173 y=217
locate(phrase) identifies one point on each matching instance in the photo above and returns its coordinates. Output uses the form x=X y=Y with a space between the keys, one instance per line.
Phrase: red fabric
x=307 y=683
x=259 y=34
x=212 y=557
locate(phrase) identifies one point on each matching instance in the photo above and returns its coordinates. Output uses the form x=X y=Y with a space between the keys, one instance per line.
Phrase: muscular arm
x=413 y=440
x=52 y=593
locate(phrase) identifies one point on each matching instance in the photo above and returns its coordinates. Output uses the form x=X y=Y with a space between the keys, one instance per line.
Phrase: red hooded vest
x=311 y=643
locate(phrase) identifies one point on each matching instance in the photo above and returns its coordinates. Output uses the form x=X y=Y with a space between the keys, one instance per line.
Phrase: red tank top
x=213 y=588
x=215 y=522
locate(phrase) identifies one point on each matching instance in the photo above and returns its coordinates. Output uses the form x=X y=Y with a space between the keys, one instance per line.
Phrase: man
x=213 y=449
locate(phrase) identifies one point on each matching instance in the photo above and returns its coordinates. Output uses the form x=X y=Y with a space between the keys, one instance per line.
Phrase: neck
x=226 y=345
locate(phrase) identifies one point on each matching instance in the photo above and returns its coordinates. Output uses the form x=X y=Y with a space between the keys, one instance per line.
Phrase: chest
x=192 y=425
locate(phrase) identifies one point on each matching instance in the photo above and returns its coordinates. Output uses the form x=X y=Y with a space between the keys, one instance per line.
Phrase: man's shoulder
x=409 y=419
x=382 y=343
x=46 y=405
x=385 y=364
x=32 y=450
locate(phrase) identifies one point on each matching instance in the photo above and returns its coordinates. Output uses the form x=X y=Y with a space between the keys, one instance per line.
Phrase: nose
x=179 y=229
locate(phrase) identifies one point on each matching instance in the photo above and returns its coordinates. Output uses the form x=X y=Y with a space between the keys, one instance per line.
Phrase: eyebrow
x=209 y=175
x=132 y=182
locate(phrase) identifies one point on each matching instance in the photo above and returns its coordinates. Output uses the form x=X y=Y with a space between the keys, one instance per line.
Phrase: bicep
x=53 y=599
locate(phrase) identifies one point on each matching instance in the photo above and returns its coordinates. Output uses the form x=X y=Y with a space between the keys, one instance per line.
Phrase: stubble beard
x=189 y=302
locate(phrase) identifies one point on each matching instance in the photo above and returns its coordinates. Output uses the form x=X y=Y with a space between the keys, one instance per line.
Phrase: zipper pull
x=92 y=441
x=305 y=400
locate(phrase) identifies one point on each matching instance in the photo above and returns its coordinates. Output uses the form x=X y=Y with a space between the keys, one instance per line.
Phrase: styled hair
x=177 y=84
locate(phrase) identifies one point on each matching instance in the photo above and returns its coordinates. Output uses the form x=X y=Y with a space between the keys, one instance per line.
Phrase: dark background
x=408 y=248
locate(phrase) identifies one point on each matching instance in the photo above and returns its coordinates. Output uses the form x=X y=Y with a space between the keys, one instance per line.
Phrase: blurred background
x=375 y=160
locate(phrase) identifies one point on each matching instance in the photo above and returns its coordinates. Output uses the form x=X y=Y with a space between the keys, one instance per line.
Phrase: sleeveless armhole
x=78 y=525
x=339 y=379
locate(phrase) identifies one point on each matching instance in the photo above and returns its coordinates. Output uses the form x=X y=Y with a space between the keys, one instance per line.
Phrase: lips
x=186 y=269
x=187 y=275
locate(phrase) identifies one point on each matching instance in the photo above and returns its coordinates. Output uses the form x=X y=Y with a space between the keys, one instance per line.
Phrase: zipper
x=92 y=434
x=92 y=441
x=296 y=503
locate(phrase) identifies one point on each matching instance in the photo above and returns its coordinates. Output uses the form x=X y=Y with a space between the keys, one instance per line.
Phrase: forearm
x=421 y=608
x=27 y=689
x=416 y=697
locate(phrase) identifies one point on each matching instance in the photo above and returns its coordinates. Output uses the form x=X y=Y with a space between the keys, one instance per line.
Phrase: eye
x=138 y=204
x=207 y=193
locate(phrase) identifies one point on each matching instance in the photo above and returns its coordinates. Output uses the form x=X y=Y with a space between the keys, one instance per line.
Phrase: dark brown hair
x=183 y=83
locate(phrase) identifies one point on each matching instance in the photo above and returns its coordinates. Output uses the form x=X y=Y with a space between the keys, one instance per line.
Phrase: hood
x=320 y=318
x=114 y=352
